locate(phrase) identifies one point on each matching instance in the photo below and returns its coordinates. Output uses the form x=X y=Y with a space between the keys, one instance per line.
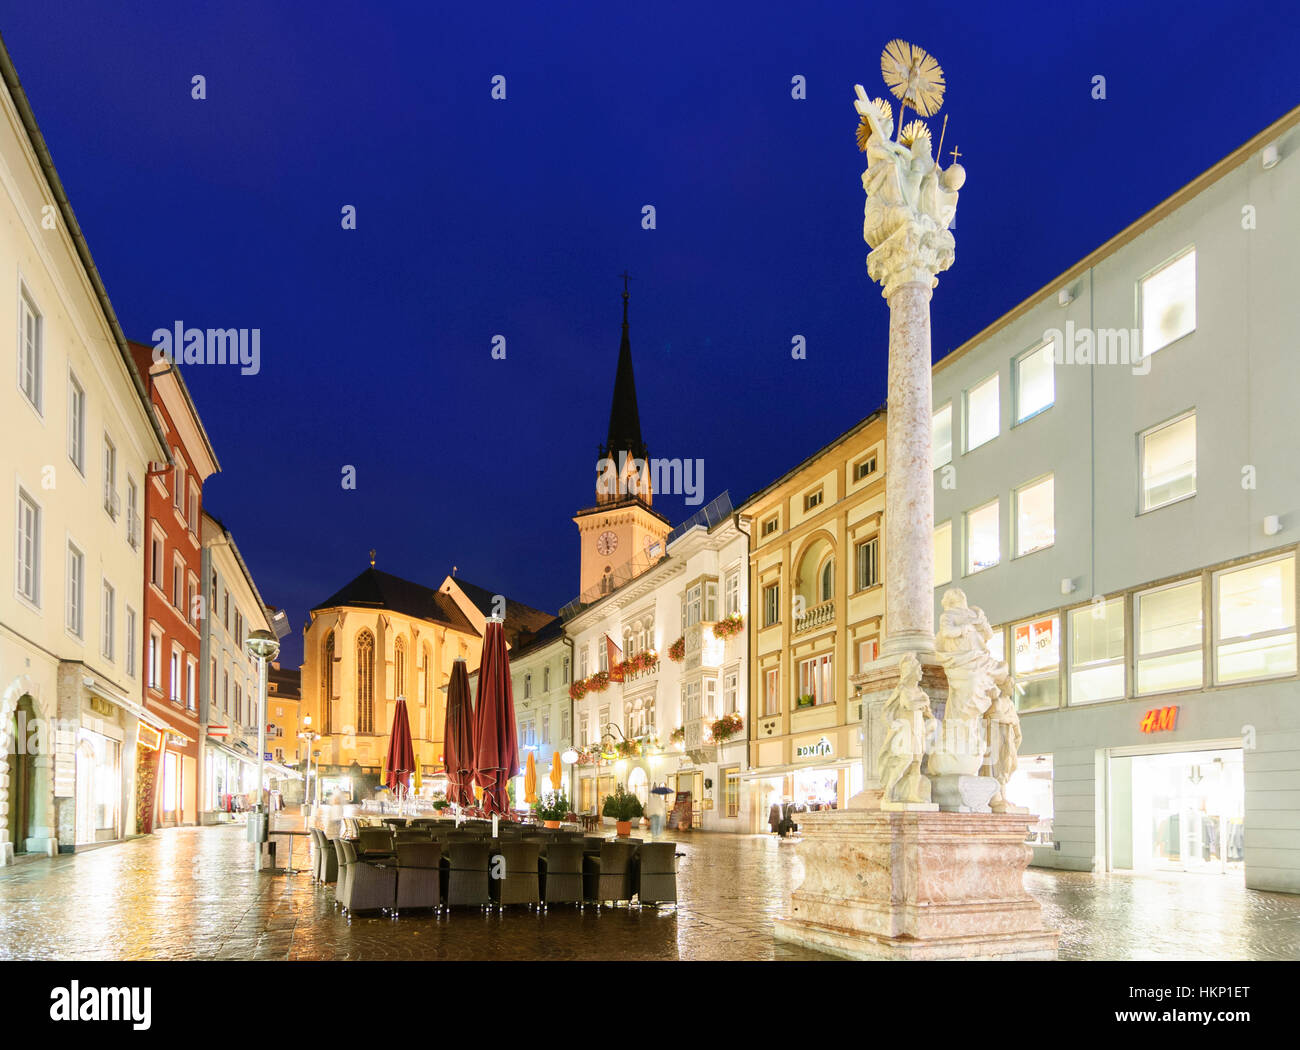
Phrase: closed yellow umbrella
x=530 y=779
x=416 y=780
x=557 y=774
x=478 y=793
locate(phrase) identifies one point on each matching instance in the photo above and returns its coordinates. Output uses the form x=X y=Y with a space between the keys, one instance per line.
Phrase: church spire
x=624 y=418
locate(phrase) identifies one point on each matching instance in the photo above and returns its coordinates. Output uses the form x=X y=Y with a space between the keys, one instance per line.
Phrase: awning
x=114 y=697
x=764 y=772
x=217 y=745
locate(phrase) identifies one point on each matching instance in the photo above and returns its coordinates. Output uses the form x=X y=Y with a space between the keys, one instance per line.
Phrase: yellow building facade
x=817 y=604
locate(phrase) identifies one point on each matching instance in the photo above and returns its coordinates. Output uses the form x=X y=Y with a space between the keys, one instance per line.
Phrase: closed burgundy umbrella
x=458 y=738
x=401 y=750
x=496 y=748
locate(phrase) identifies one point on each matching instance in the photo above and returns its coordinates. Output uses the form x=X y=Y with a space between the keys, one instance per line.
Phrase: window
x=730 y=692
x=174 y=675
x=770 y=525
x=827 y=582
x=191 y=593
x=868 y=560
x=1031 y=786
x=31 y=354
x=27 y=571
x=1168 y=455
x=816 y=680
x=864 y=468
x=107 y=639
x=155 y=659
x=194 y=509
x=813 y=499
x=1097 y=652
x=426 y=694
x=178 y=482
x=239 y=629
x=1254 y=625
x=225 y=691
x=156 y=559
x=1035 y=516
x=226 y=611
x=731 y=590
x=943 y=553
x=76 y=424
x=1169 y=303
x=582 y=729
x=178 y=581
x=1169 y=638
x=941 y=436
x=1036 y=664
x=710 y=698
x=564 y=671
x=983 y=548
x=564 y=725
x=771 y=691
x=690 y=702
x=132 y=513
x=546 y=679
x=111 y=501
x=1035 y=381
x=74 y=621
x=365 y=682
x=585 y=661
x=771 y=604
x=528 y=686
x=191 y=685
x=983 y=413
x=731 y=791
x=711 y=601
x=130 y=641
x=399 y=667
x=868 y=650
x=546 y=728
x=602 y=654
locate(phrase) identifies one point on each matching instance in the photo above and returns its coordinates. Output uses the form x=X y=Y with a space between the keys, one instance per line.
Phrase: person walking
x=655 y=811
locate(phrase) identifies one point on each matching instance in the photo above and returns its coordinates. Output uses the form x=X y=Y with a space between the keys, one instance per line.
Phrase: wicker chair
x=344 y=872
x=370 y=887
x=562 y=873
x=465 y=865
x=374 y=842
x=657 y=873
x=326 y=866
x=418 y=835
x=608 y=877
x=521 y=884
x=419 y=875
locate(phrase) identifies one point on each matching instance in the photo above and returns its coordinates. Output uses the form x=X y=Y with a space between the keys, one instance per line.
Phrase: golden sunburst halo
x=913 y=130
x=912 y=75
x=884 y=114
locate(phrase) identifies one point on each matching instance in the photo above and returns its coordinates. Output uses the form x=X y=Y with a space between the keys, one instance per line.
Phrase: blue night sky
x=479 y=217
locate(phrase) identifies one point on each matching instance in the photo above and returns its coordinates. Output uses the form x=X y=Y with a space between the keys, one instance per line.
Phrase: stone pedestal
x=916 y=885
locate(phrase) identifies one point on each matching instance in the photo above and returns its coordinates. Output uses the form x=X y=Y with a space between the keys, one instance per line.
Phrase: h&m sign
x=820 y=749
x=1159 y=719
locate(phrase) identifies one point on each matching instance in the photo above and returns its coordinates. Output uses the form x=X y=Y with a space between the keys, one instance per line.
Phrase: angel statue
x=1002 y=722
x=907 y=716
x=975 y=682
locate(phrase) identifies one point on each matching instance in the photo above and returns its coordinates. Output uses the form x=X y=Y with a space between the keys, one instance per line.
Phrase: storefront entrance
x=1182 y=811
x=22 y=776
x=99 y=780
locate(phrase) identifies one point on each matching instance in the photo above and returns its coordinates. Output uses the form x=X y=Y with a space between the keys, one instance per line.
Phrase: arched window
x=607 y=580
x=326 y=681
x=365 y=682
x=399 y=668
x=828 y=581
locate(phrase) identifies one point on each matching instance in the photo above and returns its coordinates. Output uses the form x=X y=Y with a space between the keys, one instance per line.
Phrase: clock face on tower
x=606 y=543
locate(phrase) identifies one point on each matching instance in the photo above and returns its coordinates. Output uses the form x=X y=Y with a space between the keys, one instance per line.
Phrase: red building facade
x=173 y=595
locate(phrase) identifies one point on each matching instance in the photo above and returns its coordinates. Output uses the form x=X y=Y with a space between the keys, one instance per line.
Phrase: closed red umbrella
x=458 y=738
x=496 y=748
x=401 y=750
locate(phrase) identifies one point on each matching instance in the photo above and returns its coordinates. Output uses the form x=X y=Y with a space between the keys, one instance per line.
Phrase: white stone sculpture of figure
x=962 y=646
x=1004 y=736
x=910 y=204
x=907 y=716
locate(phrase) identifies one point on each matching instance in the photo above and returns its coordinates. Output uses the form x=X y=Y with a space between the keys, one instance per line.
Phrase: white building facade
x=1130 y=527
x=77 y=439
x=655 y=726
x=541 y=671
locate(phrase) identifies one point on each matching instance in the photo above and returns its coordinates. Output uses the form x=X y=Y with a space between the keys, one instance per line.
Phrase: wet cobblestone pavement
x=190 y=893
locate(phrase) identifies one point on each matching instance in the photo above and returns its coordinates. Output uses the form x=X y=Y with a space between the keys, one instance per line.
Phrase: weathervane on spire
x=372 y=557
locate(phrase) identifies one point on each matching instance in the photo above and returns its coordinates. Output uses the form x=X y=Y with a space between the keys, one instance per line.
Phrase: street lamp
x=309 y=738
x=262 y=646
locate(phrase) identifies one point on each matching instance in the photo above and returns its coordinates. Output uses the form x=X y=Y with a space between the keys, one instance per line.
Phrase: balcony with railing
x=817 y=616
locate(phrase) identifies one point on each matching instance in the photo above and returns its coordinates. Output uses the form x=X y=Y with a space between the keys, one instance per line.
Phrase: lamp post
x=263 y=647
x=309 y=738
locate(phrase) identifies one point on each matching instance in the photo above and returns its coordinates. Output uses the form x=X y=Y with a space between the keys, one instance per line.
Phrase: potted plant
x=730 y=626
x=807 y=700
x=551 y=808
x=726 y=727
x=624 y=807
x=677 y=651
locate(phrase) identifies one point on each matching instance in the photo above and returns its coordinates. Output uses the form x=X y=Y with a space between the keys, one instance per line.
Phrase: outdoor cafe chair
x=657 y=873
x=326 y=867
x=344 y=873
x=371 y=887
x=561 y=873
x=417 y=835
x=520 y=883
x=374 y=842
x=608 y=876
x=419 y=876
x=465 y=865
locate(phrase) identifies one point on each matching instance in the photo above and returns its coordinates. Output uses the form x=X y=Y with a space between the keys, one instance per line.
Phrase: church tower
x=621 y=536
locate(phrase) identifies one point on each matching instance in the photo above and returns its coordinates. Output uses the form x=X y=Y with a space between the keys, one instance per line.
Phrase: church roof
x=375 y=589
x=519 y=618
x=624 y=417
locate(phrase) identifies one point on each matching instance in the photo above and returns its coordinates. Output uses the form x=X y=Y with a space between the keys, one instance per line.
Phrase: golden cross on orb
x=955 y=154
